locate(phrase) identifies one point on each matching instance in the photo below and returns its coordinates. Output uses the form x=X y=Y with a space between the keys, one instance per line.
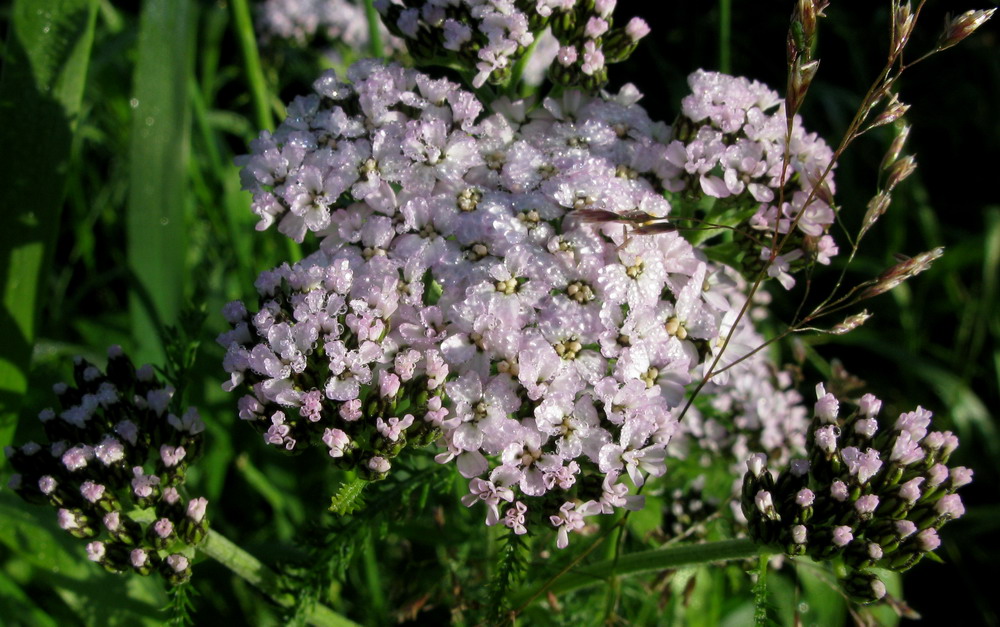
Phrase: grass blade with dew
x=158 y=193
x=44 y=72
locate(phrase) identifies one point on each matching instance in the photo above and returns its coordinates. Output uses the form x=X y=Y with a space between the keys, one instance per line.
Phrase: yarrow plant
x=319 y=23
x=498 y=35
x=513 y=295
x=114 y=468
x=457 y=278
x=865 y=495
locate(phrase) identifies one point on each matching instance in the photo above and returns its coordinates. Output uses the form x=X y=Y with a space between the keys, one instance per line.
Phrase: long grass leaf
x=44 y=72
x=261 y=95
x=158 y=186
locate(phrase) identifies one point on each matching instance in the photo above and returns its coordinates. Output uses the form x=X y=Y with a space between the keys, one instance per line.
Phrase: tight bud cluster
x=729 y=142
x=114 y=468
x=868 y=494
x=493 y=36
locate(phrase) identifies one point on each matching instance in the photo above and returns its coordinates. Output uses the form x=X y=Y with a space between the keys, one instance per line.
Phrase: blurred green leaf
x=44 y=72
x=158 y=192
x=19 y=608
x=96 y=597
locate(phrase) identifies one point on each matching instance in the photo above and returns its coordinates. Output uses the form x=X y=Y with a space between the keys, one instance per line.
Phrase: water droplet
x=134 y=103
x=46 y=29
x=803 y=607
x=150 y=121
x=164 y=221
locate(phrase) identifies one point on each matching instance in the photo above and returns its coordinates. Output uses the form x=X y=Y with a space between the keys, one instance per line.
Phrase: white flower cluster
x=303 y=21
x=492 y=35
x=730 y=141
x=455 y=288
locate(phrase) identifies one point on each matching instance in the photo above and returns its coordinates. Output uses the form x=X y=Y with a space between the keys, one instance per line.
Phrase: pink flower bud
x=96 y=551
x=842 y=535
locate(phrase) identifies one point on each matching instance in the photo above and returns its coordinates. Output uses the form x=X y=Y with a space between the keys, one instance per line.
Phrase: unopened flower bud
x=805 y=498
x=636 y=29
x=864 y=587
x=765 y=505
x=928 y=540
x=959 y=476
x=799 y=534
x=826 y=439
x=866 y=505
x=141 y=561
x=176 y=568
x=950 y=506
x=910 y=491
x=95 y=551
x=826 y=407
x=756 y=464
x=842 y=535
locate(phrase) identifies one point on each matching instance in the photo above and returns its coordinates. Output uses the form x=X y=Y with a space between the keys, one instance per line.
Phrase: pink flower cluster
x=115 y=448
x=872 y=492
x=730 y=142
x=302 y=21
x=455 y=281
x=493 y=35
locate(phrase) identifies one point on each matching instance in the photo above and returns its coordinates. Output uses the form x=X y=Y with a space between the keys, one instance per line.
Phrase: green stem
x=249 y=568
x=374 y=33
x=373 y=580
x=760 y=593
x=642 y=562
x=251 y=59
x=725 y=36
x=517 y=71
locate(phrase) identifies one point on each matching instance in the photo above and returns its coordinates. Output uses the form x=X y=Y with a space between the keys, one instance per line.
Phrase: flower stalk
x=254 y=572
x=643 y=562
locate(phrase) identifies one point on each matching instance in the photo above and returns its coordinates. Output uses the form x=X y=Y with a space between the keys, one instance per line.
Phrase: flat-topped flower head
x=115 y=449
x=460 y=269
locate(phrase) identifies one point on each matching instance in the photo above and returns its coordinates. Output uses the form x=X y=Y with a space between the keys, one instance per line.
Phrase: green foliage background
x=119 y=122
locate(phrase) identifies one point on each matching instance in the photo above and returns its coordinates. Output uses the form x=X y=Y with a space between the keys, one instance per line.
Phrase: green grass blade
x=643 y=562
x=44 y=72
x=243 y=25
x=725 y=36
x=158 y=191
x=374 y=30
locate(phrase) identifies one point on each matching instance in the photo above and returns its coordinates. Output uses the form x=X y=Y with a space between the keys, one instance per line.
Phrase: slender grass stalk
x=725 y=36
x=250 y=569
x=373 y=580
x=247 y=39
x=518 y=70
x=374 y=32
x=642 y=562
